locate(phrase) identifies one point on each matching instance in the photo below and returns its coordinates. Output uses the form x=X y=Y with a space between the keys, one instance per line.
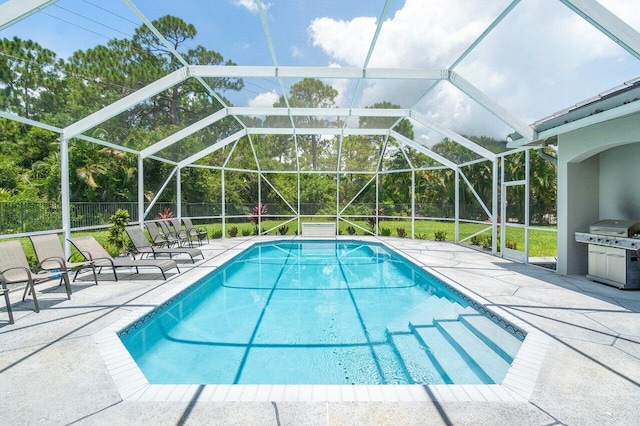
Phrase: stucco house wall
x=598 y=178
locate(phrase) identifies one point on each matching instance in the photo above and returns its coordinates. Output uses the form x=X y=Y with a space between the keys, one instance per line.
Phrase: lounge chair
x=143 y=246
x=51 y=257
x=14 y=269
x=184 y=234
x=181 y=237
x=91 y=249
x=158 y=238
x=200 y=233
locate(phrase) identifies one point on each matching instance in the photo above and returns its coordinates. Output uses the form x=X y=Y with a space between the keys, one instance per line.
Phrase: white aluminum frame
x=616 y=29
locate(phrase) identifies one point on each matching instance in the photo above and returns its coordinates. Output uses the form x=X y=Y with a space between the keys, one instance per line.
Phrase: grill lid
x=625 y=228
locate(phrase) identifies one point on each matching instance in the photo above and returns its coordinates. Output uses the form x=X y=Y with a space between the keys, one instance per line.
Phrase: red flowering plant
x=165 y=214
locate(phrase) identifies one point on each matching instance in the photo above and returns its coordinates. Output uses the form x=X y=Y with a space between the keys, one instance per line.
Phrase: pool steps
x=486 y=363
x=478 y=351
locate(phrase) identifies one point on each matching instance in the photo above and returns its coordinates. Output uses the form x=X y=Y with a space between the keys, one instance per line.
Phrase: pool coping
x=132 y=385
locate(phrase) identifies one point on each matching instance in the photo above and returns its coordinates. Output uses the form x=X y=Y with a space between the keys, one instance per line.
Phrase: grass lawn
x=541 y=243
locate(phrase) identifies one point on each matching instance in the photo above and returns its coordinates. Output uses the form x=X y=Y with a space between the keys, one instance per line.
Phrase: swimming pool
x=318 y=312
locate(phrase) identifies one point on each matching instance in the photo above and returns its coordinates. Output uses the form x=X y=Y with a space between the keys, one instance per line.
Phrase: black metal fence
x=21 y=217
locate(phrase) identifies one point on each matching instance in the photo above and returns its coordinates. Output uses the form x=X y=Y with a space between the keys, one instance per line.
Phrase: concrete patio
x=53 y=369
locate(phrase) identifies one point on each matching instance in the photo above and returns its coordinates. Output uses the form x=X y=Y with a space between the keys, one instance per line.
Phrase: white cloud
x=344 y=41
x=250 y=5
x=541 y=58
x=264 y=100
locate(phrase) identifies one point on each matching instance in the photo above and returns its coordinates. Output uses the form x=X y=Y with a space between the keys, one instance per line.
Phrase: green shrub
x=476 y=240
x=421 y=236
x=486 y=242
x=216 y=234
x=246 y=232
x=384 y=231
x=283 y=230
x=233 y=231
x=351 y=230
x=440 y=235
x=117 y=235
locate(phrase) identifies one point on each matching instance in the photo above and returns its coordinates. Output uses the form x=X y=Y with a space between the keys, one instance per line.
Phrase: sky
x=540 y=59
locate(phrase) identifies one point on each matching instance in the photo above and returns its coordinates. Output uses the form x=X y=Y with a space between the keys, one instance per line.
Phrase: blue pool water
x=318 y=312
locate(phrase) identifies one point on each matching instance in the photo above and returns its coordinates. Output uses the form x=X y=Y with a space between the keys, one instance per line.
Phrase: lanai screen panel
x=392 y=93
x=361 y=153
x=342 y=29
x=275 y=152
x=450 y=108
x=232 y=29
x=425 y=35
x=213 y=137
x=84 y=47
x=258 y=92
x=536 y=72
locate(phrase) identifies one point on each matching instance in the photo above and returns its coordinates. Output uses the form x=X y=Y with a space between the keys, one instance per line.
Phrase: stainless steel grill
x=614 y=246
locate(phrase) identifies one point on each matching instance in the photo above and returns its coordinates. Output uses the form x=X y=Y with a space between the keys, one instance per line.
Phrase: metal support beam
x=14 y=11
x=178 y=194
x=19 y=119
x=481 y=151
x=355 y=197
x=527 y=203
x=159 y=192
x=608 y=23
x=423 y=149
x=125 y=103
x=503 y=216
x=141 y=213
x=456 y=226
x=223 y=201
x=318 y=72
x=65 y=197
x=315 y=131
x=485 y=33
x=216 y=146
x=487 y=103
x=278 y=193
x=181 y=134
x=320 y=112
x=494 y=205
x=413 y=203
x=475 y=193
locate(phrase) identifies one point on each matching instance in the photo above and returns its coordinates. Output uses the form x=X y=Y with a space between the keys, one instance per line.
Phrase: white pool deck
x=580 y=362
